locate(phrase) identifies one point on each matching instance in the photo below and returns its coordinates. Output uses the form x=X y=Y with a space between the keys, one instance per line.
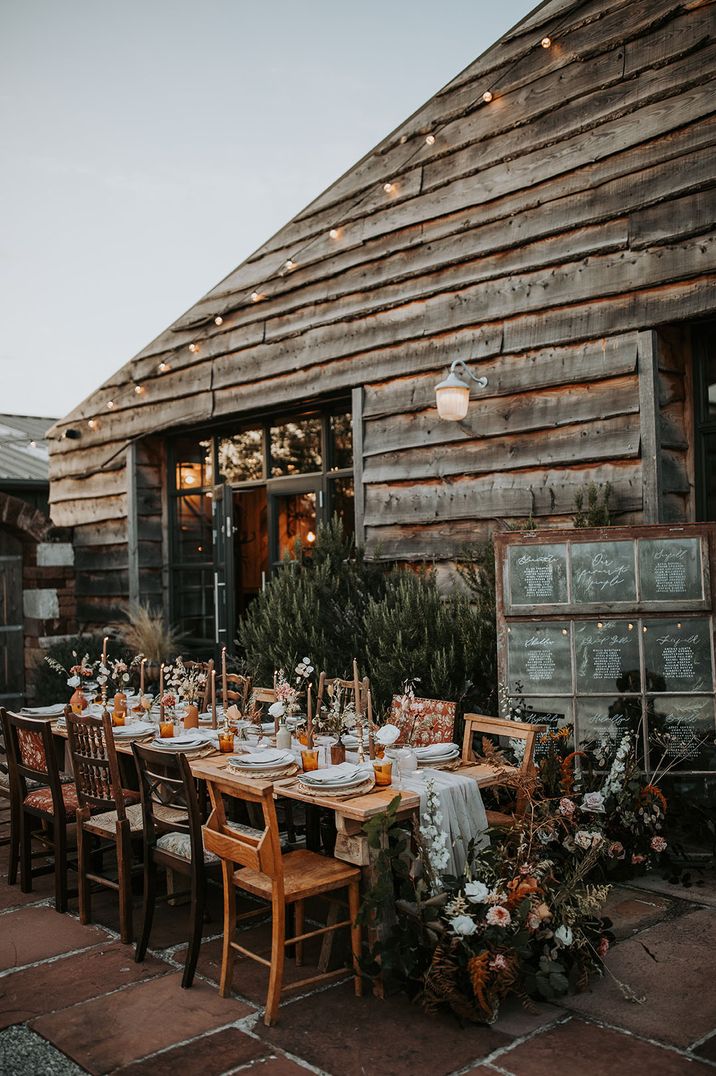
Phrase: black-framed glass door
x=295 y=510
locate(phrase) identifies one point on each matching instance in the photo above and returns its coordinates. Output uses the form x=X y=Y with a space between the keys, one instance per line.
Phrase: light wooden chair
x=518 y=777
x=107 y=813
x=282 y=880
x=235 y=689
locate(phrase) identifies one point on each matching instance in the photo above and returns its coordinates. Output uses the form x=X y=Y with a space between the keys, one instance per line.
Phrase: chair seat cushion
x=107 y=821
x=304 y=874
x=41 y=800
x=179 y=844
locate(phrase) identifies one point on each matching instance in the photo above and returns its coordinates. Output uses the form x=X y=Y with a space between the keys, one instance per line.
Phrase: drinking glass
x=309 y=758
x=382 y=768
x=407 y=762
x=226 y=740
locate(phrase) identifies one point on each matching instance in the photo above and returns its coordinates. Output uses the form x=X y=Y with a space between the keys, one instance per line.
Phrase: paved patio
x=72 y=1000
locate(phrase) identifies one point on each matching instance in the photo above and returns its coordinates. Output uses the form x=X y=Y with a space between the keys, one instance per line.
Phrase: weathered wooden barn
x=546 y=217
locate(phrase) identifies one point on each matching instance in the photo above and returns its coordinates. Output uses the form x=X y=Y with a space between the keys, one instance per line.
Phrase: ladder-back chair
x=172 y=839
x=107 y=813
x=38 y=794
x=205 y=667
x=235 y=689
x=282 y=880
x=506 y=776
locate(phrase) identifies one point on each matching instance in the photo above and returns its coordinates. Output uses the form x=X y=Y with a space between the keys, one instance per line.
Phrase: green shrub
x=50 y=686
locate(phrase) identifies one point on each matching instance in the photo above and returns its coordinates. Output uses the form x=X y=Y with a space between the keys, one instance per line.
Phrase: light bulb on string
x=93 y=423
x=193 y=348
x=389 y=188
x=289 y=264
x=33 y=444
x=430 y=140
x=139 y=389
x=110 y=404
x=255 y=296
x=218 y=320
x=163 y=367
x=334 y=233
x=546 y=42
x=487 y=96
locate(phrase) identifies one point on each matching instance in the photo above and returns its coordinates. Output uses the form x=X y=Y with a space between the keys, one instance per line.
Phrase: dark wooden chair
x=107 y=813
x=8 y=815
x=285 y=881
x=31 y=757
x=173 y=840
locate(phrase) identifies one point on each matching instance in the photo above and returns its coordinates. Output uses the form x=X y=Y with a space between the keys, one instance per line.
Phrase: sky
x=148 y=146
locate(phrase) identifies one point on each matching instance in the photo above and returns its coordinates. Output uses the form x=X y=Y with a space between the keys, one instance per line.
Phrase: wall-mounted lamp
x=453 y=394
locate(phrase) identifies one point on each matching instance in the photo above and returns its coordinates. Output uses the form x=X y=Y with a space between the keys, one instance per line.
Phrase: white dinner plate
x=172 y=743
x=263 y=759
x=437 y=750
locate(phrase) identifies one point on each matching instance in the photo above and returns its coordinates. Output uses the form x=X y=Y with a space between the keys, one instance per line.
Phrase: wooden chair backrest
x=260 y=850
x=166 y=784
x=359 y=689
x=424 y=721
x=236 y=688
x=205 y=667
x=31 y=755
x=94 y=763
x=502 y=727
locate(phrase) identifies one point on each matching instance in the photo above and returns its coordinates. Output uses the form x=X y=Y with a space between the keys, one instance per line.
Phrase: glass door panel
x=295 y=511
x=250 y=544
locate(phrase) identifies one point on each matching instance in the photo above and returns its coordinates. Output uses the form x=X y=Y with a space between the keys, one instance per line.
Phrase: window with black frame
x=287 y=473
x=192 y=555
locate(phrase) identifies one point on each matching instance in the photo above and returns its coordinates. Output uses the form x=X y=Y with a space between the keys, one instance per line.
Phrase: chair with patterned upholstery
x=108 y=813
x=173 y=840
x=8 y=815
x=422 y=721
x=31 y=757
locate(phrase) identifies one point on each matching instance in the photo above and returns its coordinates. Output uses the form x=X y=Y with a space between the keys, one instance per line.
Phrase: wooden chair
x=9 y=814
x=235 y=689
x=424 y=722
x=172 y=839
x=519 y=777
x=283 y=880
x=31 y=757
x=107 y=812
x=206 y=667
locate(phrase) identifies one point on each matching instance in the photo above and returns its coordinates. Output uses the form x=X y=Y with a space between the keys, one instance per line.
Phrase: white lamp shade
x=452 y=397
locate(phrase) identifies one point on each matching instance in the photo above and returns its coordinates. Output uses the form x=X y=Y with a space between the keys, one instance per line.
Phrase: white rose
x=463 y=925
x=74 y=681
x=564 y=935
x=387 y=735
x=593 y=801
x=277 y=709
x=583 y=839
x=476 y=892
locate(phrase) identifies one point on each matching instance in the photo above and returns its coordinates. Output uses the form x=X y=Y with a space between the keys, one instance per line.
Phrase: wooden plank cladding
x=554 y=239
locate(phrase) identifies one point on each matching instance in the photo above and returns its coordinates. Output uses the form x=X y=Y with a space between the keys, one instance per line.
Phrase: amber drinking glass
x=226 y=740
x=382 y=768
x=309 y=758
x=166 y=728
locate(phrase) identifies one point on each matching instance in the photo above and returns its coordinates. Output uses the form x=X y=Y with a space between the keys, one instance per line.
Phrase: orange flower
x=655 y=793
x=520 y=888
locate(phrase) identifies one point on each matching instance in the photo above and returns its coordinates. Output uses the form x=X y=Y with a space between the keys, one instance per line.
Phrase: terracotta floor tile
x=707 y=1049
x=56 y=985
x=250 y=978
x=589 y=1050
x=141 y=1020
x=349 y=1036
x=171 y=925
x=278 y=1066
x=701 y=891
x=652 y=964
x=30 y=934
x=210 y=1055
x=631 y=910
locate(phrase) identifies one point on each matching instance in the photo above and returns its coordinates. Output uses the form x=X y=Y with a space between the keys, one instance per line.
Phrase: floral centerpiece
x=287 y=693
x=76 y=676
x=187 y=684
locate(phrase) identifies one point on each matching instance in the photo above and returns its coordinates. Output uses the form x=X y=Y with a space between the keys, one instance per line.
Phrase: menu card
x=607 y=656
x=670 y=569
x=538 y=658
x=538 y=574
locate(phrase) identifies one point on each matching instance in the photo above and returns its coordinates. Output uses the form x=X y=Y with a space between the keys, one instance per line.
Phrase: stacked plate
x=133 y=730
x=333 y=779
x=437 y=754
x=187 y=742
x=57 y=709
x=269 y=762
x=350 y=740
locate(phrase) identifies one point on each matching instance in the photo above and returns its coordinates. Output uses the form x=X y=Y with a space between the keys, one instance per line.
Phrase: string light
x=289 y=264
x=334 y=233
x=430 y=140
x=218 y=320
x=255 y=296
x=403 y=139
x=93 y=424
x=546 y=42
x=487 y=96
x=139 y=389
x=110 y=404
x=164 y=367
x=33 y=444
x=389 y=188
x=193 y=348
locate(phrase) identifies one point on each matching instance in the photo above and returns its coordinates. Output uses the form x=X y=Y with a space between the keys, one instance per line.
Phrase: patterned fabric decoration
x=32 y=750
x=425 y=722
x=41 y=800
x=179 y=844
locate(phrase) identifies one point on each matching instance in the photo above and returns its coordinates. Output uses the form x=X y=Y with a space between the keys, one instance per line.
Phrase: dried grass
x=147 y=632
